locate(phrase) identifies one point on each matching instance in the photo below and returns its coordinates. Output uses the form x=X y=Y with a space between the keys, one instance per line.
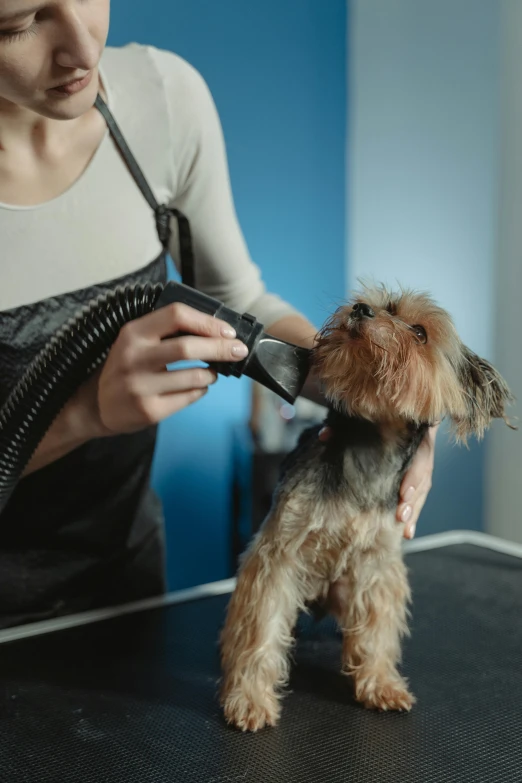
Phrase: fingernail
x=240 y=350
x=406 y=514
x=409 y=494
x=227 y=331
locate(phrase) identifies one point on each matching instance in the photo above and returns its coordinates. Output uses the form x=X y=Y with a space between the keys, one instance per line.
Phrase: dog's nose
x=362 y=310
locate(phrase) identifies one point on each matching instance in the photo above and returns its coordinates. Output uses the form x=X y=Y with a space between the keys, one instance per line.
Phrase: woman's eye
x=16 y=35
x=420 y=333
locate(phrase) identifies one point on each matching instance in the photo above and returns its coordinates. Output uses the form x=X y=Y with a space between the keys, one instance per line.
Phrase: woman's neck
x=23 y=129
x=42 y=157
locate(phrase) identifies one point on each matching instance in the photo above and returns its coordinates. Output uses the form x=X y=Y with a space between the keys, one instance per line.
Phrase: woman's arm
x=77 y=423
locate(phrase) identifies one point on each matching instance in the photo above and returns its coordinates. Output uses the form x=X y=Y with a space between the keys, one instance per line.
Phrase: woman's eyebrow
x=19 y=13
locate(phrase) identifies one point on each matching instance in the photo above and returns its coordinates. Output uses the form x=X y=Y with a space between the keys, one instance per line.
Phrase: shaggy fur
x=391 y=365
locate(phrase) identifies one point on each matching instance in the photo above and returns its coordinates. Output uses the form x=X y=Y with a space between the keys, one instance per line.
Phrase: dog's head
x=389 y=355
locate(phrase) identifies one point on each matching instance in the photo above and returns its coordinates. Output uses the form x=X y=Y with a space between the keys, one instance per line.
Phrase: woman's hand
x=416 y=483
x=134 y=389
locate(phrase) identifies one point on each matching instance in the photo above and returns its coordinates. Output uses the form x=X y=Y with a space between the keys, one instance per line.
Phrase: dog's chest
x=343 y=534
x=360 y=469
x=360 y=478
x=340 y=496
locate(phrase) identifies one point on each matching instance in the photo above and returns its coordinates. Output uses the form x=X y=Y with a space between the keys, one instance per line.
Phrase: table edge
x=421 y=544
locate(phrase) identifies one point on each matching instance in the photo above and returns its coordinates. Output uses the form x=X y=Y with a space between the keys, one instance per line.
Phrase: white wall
x=504 y=463
x=422 y=182
x=423 y=151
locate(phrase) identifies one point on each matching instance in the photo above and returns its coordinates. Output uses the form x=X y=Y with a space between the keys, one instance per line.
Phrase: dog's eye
x=420 y=333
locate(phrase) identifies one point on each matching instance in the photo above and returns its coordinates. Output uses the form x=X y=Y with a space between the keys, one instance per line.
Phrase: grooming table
x=129 y=695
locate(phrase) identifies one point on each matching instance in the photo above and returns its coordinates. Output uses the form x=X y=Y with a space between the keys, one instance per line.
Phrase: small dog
x=391 y=365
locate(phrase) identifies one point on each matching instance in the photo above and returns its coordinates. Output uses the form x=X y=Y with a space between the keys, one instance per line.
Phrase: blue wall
x=276 y=69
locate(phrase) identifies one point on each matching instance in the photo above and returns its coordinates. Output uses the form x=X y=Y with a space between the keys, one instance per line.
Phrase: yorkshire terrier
x=391 y=365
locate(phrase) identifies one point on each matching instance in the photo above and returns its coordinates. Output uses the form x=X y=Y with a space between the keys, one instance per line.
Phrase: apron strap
x=162 y=212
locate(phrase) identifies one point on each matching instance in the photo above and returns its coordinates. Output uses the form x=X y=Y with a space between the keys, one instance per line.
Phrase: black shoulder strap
x=162 y=212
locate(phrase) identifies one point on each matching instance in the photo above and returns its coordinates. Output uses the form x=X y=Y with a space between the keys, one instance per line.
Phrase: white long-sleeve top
x=102 y=227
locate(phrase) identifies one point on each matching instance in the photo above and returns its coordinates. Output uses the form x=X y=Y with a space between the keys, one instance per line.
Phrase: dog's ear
x=485 y=396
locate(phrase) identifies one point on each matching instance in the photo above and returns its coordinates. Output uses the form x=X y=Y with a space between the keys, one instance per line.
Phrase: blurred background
x=370 y=138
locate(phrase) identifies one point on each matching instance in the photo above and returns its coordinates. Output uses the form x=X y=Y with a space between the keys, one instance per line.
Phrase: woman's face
x=46 y=44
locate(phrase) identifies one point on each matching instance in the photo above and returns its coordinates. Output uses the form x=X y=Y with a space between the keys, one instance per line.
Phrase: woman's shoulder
x=164 y=108
x=144 y=71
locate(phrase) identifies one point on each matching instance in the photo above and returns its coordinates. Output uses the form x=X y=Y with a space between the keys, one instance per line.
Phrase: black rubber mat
x=134 y=698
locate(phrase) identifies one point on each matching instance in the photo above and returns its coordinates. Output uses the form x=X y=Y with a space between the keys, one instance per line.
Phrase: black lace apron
x=86 y=530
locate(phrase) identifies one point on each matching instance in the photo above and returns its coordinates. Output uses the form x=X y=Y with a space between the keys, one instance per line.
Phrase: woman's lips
x=72 y=87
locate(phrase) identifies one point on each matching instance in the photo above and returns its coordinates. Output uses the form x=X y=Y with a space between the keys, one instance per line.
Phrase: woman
x=83 y=527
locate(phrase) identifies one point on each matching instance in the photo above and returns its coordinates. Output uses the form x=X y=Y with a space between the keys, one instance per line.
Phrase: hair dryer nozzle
x=280 y=366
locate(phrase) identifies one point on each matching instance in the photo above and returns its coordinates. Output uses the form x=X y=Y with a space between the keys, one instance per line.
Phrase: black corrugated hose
x=63 y=364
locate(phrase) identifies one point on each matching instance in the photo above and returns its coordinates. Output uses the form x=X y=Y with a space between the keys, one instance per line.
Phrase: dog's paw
x=385 y=695
x=248 y=715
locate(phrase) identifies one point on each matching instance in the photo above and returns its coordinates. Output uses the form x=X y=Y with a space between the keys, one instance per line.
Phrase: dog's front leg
x=257 y=635
x=371 y=602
